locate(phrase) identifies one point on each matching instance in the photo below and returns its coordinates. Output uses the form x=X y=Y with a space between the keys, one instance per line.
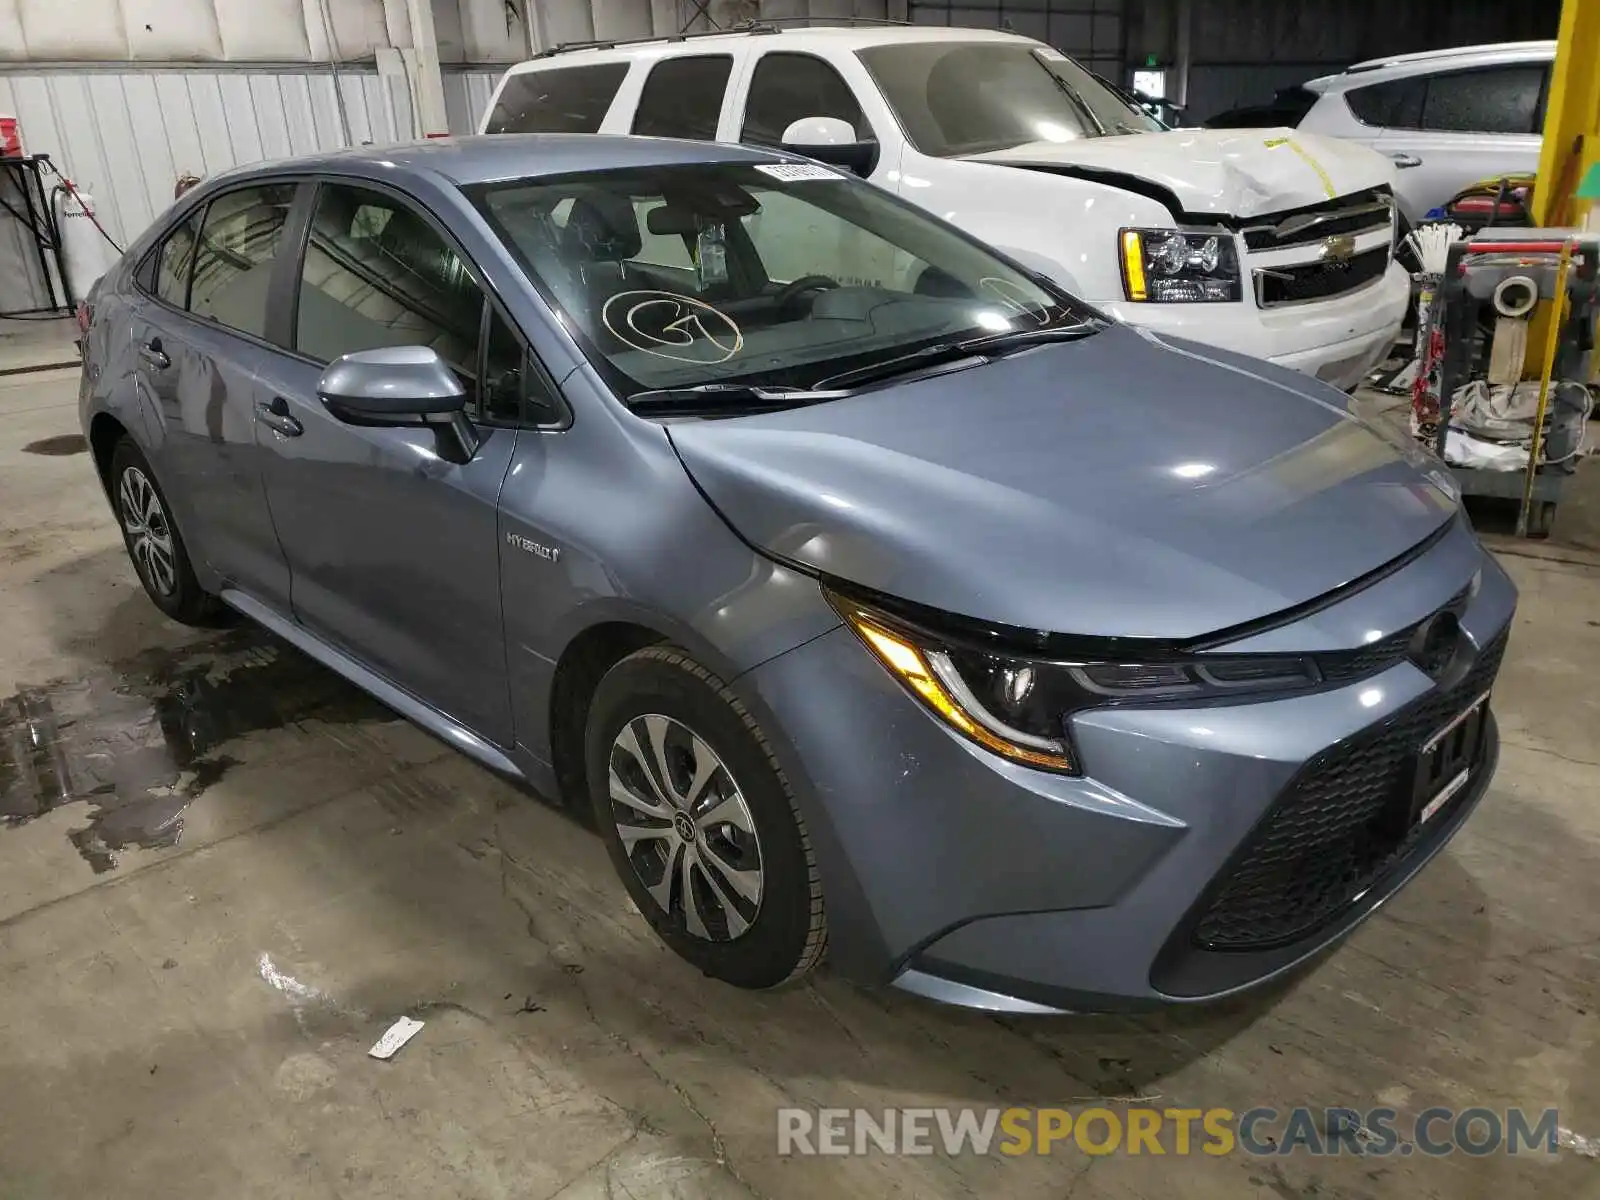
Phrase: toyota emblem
x=1438 y=644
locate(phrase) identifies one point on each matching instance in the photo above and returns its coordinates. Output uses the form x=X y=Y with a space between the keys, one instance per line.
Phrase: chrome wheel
x=685 y=828
x=149 y=533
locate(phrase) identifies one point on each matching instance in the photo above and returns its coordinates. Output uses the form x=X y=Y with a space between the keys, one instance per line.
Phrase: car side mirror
x=400 y=385
x=833 y=141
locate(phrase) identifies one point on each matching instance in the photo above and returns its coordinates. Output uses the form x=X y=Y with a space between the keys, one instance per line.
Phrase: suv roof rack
x=1426 y=56
x=751 y=28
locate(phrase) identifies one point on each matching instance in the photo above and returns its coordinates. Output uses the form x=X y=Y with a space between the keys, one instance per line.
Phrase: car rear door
x=1471 y=125
x=198 y=328
x=393 y=548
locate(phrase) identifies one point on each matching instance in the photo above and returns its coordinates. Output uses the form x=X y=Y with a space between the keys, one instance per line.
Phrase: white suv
x=1265 y=242
x=1448 y=118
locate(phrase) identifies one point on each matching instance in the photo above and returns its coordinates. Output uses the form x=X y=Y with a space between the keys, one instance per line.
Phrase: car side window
x=1396 y=104
x=514 y=390
x=377 y=274
x=239 y=242
x=787 y=87
x=175 y=261
x=558 y=100
x=1493 y=100
x=682 y=97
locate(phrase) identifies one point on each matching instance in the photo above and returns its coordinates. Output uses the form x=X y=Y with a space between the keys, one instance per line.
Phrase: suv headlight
x=1019 y=707
x=1176 y=266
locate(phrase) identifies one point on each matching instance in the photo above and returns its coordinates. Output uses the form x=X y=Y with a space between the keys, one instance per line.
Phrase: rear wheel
x=700 y=822
x=153 y=542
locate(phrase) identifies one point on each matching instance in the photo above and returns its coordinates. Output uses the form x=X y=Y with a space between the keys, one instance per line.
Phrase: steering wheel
x=806 y=283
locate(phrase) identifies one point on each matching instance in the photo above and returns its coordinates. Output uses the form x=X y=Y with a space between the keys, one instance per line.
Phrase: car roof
x=843 y=36
x=484 y=158
x=1396 y=66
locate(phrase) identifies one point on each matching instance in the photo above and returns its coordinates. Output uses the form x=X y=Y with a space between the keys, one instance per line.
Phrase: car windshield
x=971 y=97
x=772 y=275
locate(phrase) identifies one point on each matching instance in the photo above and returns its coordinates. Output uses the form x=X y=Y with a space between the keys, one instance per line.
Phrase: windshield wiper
x=978 y=349
x=1018 y=338
x=725 y=397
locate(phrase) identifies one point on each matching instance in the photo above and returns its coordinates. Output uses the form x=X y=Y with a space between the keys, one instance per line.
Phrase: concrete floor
x=188 y=1016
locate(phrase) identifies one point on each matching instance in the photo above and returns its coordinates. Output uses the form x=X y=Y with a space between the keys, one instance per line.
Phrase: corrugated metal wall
x=1091 y=31
x=125 y=136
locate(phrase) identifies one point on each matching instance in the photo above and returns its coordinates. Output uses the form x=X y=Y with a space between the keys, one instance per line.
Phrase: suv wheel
x=154 y=544
x=700 y=822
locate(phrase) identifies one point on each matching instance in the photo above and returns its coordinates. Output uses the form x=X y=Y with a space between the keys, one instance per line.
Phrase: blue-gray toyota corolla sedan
x=878 y=597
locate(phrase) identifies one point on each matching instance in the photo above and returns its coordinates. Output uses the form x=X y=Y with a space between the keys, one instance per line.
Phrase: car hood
x=1227 y=172
x=1123 y=485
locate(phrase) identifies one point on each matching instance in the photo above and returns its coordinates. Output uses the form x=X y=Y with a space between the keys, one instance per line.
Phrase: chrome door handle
x=153 y=354
x=1404 y=160
x=275 y=415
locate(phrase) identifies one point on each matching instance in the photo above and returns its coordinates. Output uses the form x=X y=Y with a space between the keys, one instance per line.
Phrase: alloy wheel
x=685 y=827
x=149 y=532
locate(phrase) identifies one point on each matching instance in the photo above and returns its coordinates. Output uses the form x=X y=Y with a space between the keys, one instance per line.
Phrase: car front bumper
x=961 y=876
x=1337 y=341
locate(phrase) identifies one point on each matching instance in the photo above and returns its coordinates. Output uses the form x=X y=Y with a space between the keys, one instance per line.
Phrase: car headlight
x=1019 y=707
x=1176 y=266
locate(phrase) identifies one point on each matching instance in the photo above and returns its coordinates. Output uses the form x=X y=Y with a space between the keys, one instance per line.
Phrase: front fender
x=653 y=554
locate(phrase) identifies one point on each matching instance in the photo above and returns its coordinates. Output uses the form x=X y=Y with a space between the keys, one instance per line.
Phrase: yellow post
x=1572 y=116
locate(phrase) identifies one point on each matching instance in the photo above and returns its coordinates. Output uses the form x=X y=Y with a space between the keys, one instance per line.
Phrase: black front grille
x=1332 y=834
x=1319 y=280
x=1347 y=666
x=1361 y=213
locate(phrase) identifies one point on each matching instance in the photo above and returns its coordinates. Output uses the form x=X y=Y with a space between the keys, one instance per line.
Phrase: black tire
x=786 y=934
x=168 y=580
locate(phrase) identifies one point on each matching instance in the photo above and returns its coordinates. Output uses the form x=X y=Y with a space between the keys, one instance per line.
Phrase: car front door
x=1472 y=125
x=198 y=333
x=785 y=86
x=392 y=543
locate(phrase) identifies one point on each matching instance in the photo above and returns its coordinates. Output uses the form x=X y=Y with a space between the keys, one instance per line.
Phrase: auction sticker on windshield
x=796 y=172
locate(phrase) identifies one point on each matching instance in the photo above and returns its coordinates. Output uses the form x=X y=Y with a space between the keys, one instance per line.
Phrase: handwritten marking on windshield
x=672 y=326
x=1015 y=299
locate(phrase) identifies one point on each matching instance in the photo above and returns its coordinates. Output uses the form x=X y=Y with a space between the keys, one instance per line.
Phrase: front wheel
x=153 y=542
x=700 y=821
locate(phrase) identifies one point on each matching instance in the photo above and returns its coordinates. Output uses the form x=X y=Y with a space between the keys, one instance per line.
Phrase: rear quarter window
x=557 y=100
x=1396 y=104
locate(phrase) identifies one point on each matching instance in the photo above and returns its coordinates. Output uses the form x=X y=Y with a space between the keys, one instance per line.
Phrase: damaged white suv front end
x=1265 y=242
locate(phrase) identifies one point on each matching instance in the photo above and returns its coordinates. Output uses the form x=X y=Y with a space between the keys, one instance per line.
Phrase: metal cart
x=24 y=198
x=1564 y=263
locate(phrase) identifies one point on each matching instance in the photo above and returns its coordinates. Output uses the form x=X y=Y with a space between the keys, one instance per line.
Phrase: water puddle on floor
x=58 y=447
x=139 y=743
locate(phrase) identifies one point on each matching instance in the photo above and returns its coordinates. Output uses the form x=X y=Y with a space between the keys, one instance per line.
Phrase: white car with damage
x=1270 y=243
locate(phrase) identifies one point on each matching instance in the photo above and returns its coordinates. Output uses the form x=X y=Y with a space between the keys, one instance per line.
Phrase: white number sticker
x=795 y=172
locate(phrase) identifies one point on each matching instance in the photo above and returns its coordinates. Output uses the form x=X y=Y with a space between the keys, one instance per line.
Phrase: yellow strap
x=1305 y=156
